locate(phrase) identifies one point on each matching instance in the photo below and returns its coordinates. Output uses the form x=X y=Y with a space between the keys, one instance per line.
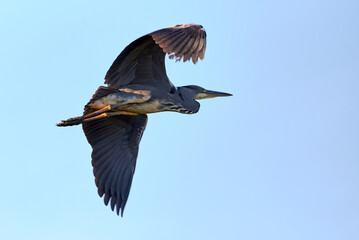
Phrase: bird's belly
x=142 y=108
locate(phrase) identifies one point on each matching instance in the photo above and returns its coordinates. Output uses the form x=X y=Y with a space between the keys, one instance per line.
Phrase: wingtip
x=171 y=41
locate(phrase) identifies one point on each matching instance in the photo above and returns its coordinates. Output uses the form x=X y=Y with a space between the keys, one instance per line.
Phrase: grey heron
x=137 y=84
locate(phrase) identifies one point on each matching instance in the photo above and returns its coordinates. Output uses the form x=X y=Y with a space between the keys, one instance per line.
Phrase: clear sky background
x=278 y=160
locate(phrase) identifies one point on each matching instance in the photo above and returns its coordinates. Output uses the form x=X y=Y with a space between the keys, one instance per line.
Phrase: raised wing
x=143 y=61
x=115 y=142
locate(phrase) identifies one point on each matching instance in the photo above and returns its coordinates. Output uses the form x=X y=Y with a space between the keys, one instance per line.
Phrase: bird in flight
x=137 y=84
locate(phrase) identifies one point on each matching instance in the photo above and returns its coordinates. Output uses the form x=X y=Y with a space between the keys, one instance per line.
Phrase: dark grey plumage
x=143 y=61
x=115 y=142
x=115 y=118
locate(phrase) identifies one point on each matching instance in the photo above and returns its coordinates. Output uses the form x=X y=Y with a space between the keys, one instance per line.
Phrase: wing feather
x=186 y=45
x=115 y=142
x=203 y=49
x=199 y=48
x=190 y=52
x=168 y=43
x=143 y=61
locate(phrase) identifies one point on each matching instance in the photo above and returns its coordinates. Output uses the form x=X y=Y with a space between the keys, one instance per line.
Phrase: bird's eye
x=202 y=90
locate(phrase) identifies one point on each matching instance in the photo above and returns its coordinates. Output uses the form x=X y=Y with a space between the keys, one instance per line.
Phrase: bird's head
x=201 y=93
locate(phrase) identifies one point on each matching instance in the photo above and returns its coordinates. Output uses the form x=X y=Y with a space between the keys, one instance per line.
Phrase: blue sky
x=278 y=160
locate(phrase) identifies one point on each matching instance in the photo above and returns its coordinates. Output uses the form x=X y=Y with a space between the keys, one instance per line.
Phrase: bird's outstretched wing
x=143 y=61
x=115 y=142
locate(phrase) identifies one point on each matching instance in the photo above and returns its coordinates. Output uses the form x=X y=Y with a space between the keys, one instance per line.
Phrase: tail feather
x=70 y=122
